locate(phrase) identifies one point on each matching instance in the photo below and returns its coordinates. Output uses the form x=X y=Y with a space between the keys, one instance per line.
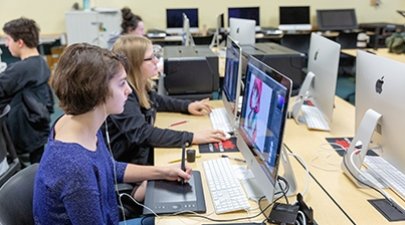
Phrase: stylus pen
x=236 y=159
x=183 y=160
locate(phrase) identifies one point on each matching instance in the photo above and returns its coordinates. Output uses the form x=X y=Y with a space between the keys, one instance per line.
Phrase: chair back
x=16 y=197
x=7 y=150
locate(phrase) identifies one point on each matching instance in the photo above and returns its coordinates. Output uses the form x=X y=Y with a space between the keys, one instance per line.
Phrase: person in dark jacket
x=133 y=134
x=24 y=86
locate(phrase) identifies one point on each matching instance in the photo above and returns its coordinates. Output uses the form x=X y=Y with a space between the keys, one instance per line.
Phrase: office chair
x=7 y=150
x=347 y=40
x=16 y=198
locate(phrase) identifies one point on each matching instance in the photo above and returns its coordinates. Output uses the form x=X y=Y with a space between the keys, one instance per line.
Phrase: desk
x=325 y=210
x=308 y=144
x=380 y=52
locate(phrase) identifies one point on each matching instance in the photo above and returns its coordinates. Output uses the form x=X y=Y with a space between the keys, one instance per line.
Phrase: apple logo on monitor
x=379 y=84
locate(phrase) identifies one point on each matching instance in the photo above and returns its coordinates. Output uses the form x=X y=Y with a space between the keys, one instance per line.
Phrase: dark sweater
x=24 y=85
x=133 y=134
x=76 y=186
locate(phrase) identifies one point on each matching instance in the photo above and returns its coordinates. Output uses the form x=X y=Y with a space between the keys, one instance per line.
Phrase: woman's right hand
x=208 y=136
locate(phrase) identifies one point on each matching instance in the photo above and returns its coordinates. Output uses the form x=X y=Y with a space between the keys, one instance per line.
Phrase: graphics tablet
x=167 y=197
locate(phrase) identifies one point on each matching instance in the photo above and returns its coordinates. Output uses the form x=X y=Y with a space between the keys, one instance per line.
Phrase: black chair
x=347 y=40
x=7 y=150
x=16 y=198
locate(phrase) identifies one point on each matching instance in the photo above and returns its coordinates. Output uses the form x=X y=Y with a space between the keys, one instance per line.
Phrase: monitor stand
x=253 y=190
x=302 y=95
x=360 y=142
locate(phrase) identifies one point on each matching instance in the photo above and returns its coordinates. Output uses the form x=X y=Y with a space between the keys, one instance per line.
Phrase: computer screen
x=323 y=62
x=251 y=13
x=233 y=78
x=242 y=31
x=174 y=19
x=261 y=126
x=294 y=18
x=379 y=86
x=336 y=19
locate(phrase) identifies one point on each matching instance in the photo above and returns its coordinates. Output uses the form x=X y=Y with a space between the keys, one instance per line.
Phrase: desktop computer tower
x=191 y=72
x=287 y=61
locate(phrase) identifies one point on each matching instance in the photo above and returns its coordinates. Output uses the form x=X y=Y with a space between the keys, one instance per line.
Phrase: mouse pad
x=225 y=146
x=342 y=144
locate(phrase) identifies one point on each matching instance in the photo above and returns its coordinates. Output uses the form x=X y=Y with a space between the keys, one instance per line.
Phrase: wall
x=50 y=13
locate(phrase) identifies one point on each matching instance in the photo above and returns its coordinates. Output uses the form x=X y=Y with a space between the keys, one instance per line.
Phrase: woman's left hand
x=199 y=108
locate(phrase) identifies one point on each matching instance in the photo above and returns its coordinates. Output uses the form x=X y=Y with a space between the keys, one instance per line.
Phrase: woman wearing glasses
x=133 y=134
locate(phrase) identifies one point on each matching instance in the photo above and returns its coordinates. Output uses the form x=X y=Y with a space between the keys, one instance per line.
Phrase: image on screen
x=263 y=114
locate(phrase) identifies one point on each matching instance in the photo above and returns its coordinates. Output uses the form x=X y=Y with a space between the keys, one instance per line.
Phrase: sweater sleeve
x=11 y=82
x=169 y=104
x=132 y=125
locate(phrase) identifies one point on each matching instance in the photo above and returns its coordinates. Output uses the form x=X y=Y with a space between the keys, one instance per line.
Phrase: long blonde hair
x=134 y=48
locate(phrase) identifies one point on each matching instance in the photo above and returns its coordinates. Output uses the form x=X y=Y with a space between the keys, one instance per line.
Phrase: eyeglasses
x=151 y=58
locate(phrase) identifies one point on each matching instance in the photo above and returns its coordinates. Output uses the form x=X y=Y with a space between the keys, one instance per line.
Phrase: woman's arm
x=137 y=173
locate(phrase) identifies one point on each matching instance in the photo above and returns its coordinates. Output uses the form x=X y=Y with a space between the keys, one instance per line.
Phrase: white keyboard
x=226 y=192
x=219 y=120
x=314 y=118
x=383 y=171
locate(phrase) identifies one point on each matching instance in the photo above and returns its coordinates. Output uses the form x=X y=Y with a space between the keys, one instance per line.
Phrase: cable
x=303 y=219
x=281 y=188
x=114 y=170
x=136 y=202
x=382 y=192
x=304 y=164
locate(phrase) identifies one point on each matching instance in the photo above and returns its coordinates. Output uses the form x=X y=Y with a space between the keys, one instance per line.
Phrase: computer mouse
x=227 y=135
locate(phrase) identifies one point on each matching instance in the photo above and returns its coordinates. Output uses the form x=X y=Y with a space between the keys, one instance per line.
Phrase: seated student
x=133 y=134
x=131 y=24
x=24 y=86
x=75 y=180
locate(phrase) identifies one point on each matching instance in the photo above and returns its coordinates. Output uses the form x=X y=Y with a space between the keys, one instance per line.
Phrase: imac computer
x=261 y=125
x=250 y=13
x=225 y=118
x=233 y=78
x=379 y=112
x=294 y=18
x=315 y=100
x=336 y=19
x=174 y=20
x=218 y=30
x=242 y=31
x=187 y=37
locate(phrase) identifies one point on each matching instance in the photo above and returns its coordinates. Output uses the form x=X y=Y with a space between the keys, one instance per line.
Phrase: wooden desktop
x=325 y=210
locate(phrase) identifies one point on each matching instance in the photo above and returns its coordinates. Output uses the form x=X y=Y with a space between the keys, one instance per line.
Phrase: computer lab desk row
x=325 y=165
x=326 y=211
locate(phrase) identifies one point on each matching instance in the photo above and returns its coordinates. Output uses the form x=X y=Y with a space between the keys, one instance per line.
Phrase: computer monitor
x=294 y=18
x=174 y=20
x=319 y=86
x=251 y=13
x=187 y=37
x=233 y=78
x=262 y=120
x=242 y=31
x=336 y=19
x=379 y=108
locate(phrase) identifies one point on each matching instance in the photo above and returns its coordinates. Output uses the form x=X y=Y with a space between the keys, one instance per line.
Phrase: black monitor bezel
x=193 y=18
